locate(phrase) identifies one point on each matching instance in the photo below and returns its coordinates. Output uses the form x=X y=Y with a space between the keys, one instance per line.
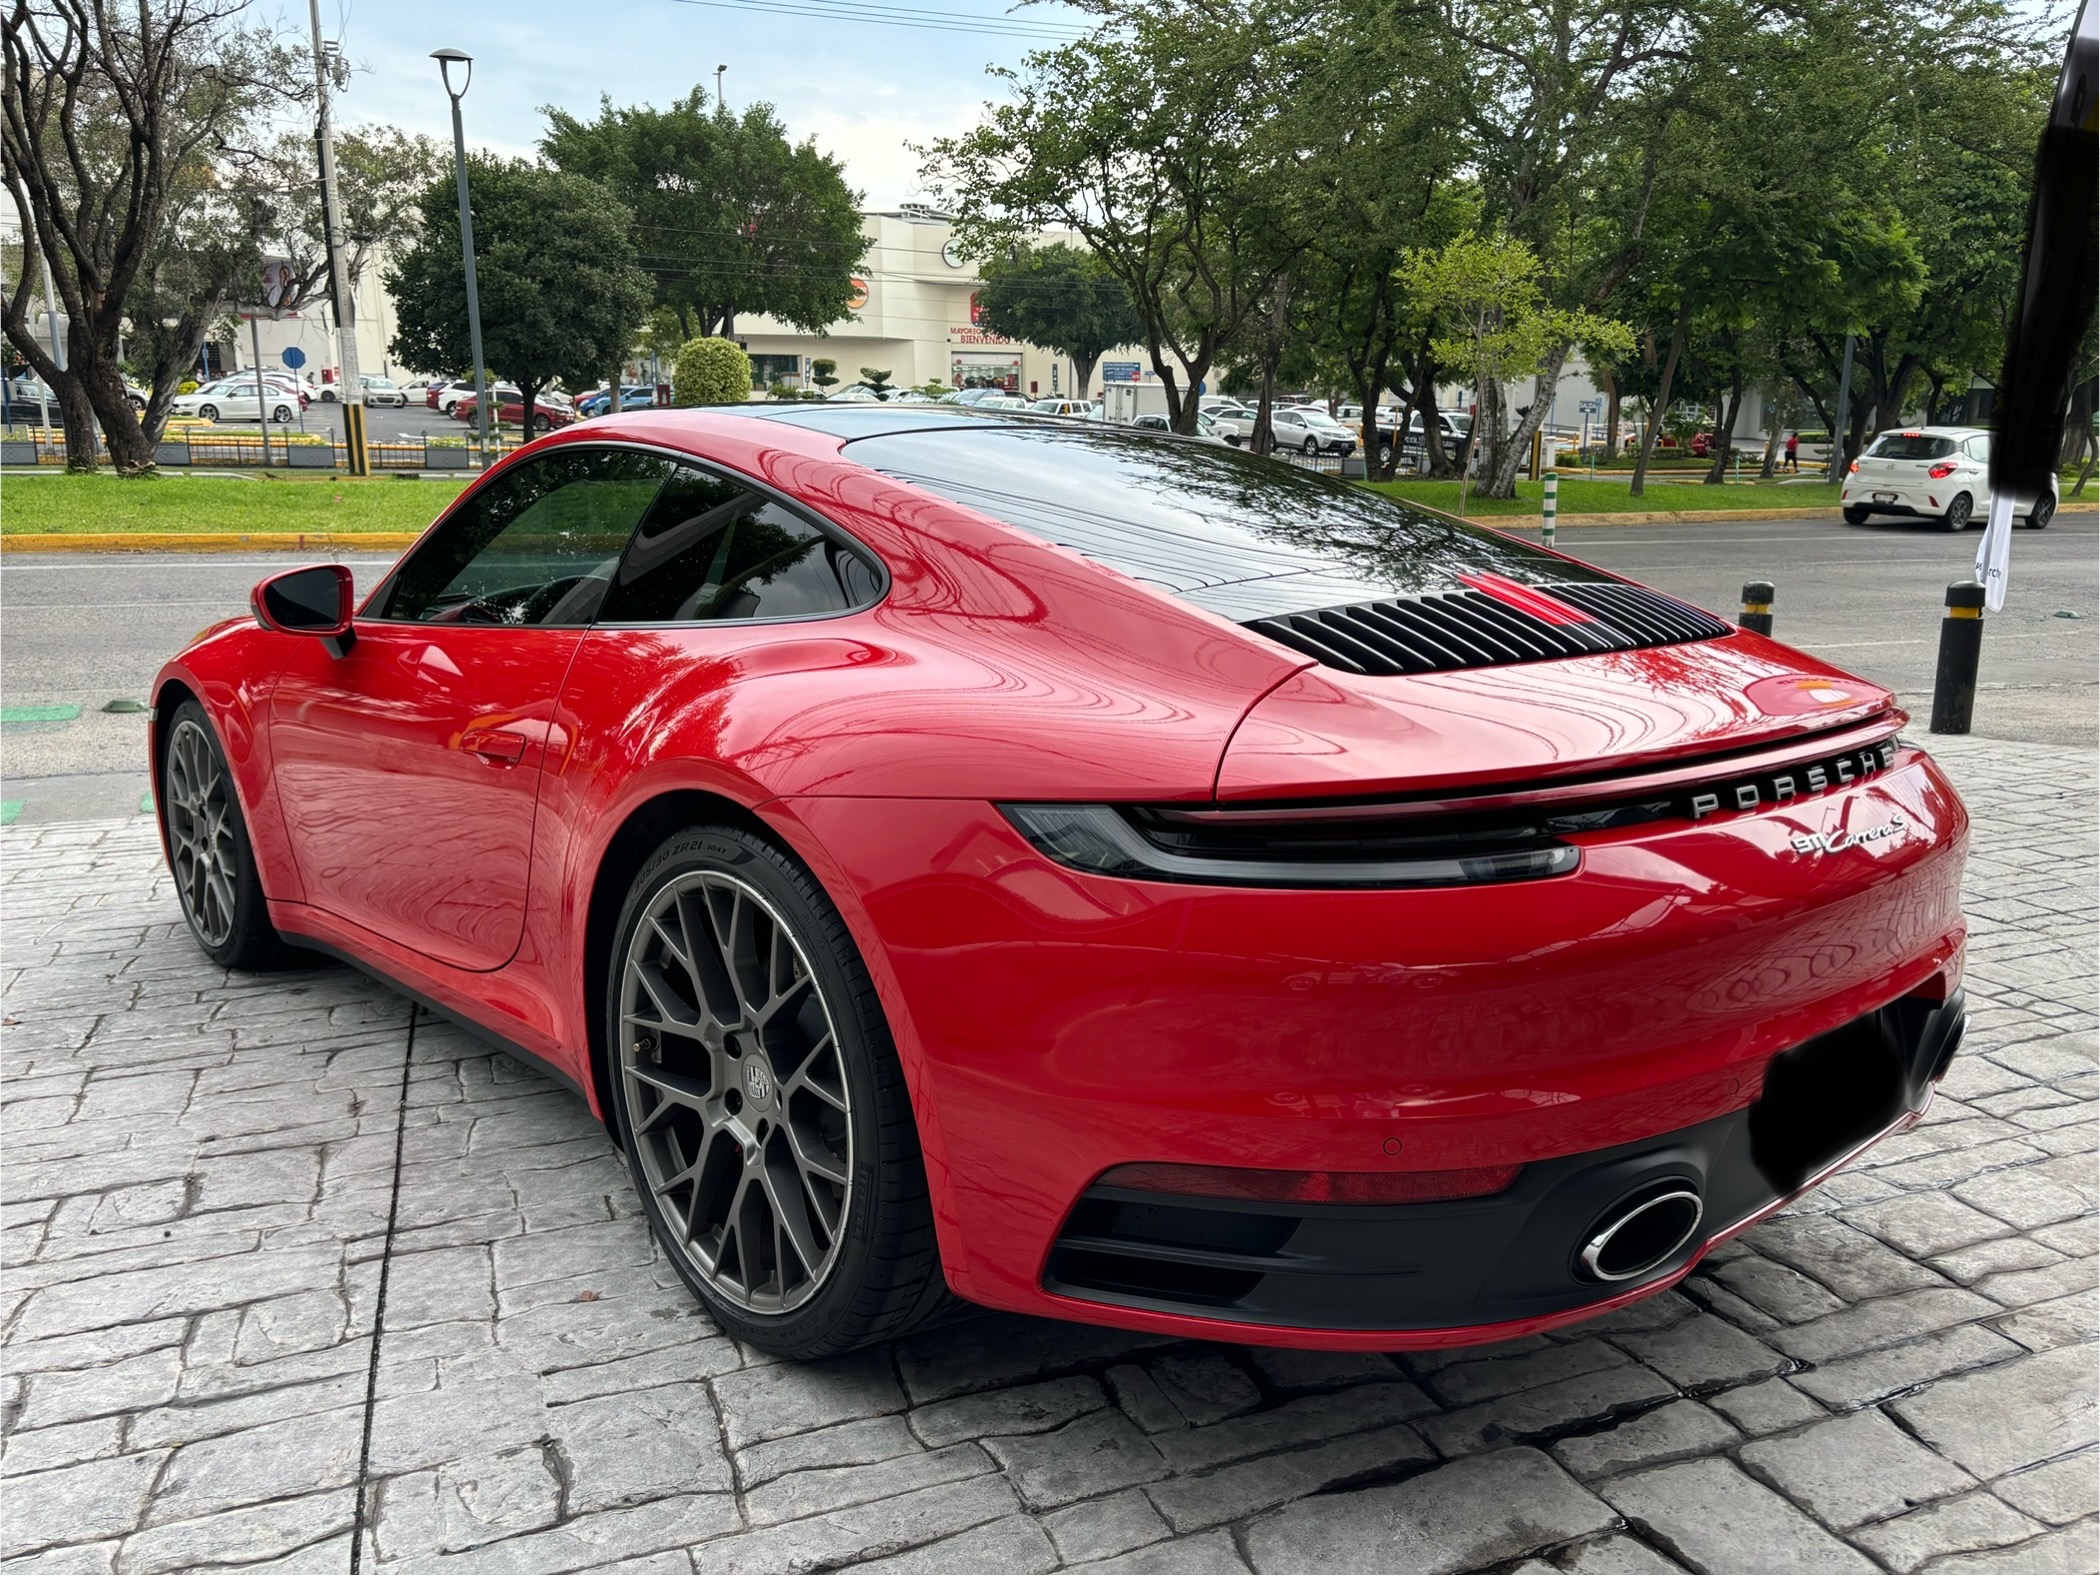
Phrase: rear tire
x=1959 y=508
x=2041 y=514
x=208 y=849
x=1855 y=516
x=758 y=1097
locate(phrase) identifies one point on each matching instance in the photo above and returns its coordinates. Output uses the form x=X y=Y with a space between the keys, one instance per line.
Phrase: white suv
x=1940 y=473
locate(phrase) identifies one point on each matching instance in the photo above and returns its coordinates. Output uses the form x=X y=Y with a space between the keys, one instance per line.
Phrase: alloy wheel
x=201 y=833
x=736 y=1091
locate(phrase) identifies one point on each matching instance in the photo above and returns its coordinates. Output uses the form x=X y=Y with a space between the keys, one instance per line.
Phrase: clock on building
x=952 y=254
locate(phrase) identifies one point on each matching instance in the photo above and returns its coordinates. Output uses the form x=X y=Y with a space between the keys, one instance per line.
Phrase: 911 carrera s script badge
x=1815 y=844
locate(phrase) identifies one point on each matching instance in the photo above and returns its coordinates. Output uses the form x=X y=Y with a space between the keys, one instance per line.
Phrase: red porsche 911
x=1089 y=874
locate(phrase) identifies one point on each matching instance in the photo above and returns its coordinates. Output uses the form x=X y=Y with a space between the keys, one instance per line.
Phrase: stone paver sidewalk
x=208 y=1180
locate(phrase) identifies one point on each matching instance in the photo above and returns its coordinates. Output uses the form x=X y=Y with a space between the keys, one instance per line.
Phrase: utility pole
x=353 y=388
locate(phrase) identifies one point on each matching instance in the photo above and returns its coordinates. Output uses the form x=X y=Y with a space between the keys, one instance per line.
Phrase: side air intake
x=1438 y=633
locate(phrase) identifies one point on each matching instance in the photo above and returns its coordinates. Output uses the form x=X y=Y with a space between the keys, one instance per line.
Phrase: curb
x=204 y=541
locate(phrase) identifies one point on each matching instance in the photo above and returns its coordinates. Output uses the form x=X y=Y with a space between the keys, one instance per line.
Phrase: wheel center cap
x=758 y=1081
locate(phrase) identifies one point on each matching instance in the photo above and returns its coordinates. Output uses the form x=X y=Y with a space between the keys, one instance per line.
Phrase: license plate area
x=1825 y=1098
x=1884 y=497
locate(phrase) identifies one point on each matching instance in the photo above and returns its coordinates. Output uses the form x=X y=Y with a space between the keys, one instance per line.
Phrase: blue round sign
x=293 y=357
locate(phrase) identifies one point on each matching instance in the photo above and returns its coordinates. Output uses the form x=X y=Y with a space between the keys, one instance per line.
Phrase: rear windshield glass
x=1912 y=446
x=1244 y=536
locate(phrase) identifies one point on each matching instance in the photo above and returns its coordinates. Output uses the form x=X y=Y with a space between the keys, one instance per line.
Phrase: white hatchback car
x=1938 y=473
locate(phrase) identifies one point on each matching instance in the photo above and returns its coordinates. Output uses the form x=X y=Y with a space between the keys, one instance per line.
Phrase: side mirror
x=316 y=600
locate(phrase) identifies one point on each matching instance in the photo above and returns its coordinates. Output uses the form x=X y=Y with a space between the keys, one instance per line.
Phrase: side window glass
x=710 y=548
x=538 y=545
x=1979 y=449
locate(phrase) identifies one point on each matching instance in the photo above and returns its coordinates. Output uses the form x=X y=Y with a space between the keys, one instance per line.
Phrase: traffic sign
x=292 y=356
x=1591 y=407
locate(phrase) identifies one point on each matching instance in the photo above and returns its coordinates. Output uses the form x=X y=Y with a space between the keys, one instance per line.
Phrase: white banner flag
x=1994 y=552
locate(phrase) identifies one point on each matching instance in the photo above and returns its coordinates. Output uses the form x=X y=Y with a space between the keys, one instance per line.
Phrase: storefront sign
x=1119 y=372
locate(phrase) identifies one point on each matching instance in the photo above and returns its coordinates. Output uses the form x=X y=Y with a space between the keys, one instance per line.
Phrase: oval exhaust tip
x=1638 y=1233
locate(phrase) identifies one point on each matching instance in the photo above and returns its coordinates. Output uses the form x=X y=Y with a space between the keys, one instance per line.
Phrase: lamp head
x=447 y=59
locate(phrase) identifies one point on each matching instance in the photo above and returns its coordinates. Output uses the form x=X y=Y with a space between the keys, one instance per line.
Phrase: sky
x=863 y=77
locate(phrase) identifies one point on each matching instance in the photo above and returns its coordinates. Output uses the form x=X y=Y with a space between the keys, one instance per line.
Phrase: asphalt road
x=83 y=631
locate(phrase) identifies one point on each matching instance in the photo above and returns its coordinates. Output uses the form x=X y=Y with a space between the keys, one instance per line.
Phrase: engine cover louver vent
x=1471 y=629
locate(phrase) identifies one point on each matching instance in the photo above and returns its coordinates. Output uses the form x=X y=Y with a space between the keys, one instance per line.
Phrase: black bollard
x=1961 y=646
x=1757 y=607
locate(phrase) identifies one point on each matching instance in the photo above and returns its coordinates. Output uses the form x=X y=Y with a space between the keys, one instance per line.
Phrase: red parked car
x=1095 y=876
x=510 y=412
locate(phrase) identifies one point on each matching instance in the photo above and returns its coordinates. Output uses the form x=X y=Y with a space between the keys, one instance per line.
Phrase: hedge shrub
x=710 y=372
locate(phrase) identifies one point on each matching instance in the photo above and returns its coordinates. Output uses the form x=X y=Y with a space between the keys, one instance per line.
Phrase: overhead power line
x=877 y=14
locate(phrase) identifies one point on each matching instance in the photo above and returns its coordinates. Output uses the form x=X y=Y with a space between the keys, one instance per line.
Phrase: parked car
x=1206 y=426
x=1003 y=859
x=548 y=412
x=463 y=388
x=633 y=396
x=1937 y=473
x=1005 y=402
x=1300 y=427
x=1060 y=407
x=378 y=391
x=238 y=398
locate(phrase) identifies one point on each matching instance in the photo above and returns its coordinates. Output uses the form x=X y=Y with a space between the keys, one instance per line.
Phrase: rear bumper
x=1054 y=1024
x=1514 y=1258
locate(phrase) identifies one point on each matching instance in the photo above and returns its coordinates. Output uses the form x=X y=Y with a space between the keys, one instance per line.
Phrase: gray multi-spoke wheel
x=756 y=1091
x=739 y=1103
x=208 y=850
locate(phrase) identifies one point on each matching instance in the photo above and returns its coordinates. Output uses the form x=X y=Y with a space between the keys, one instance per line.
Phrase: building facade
x=916 y=317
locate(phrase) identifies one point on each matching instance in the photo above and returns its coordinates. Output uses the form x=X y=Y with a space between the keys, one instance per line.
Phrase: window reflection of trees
x=1241 y=535
x=710 y=550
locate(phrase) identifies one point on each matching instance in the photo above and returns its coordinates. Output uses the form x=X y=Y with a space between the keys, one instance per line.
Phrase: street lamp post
x=718 y=85
x=446 y=59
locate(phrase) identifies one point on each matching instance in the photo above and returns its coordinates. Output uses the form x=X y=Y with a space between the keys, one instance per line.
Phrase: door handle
x=494 y=746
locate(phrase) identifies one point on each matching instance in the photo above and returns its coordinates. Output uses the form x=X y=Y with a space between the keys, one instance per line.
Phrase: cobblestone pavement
x=203 y=1172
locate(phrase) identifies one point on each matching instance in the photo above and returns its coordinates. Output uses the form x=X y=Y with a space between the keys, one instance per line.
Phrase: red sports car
x=1094 y=875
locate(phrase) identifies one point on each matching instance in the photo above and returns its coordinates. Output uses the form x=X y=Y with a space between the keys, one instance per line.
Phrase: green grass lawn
x=36 y=503
x=1581 y=496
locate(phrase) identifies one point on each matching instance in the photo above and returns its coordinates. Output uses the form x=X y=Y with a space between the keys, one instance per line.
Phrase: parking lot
x=296 y=1269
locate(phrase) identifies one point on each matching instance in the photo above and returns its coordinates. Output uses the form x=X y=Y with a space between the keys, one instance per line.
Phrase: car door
x=1976 y=469
x=408 y=766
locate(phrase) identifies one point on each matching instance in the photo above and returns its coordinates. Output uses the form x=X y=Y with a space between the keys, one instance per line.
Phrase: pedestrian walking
x=1793 y=451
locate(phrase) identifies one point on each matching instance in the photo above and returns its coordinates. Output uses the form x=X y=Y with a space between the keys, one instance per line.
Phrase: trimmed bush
x=711 y=372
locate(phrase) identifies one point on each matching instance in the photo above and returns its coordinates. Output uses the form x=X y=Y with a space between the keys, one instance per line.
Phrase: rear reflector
x=1311 y=1187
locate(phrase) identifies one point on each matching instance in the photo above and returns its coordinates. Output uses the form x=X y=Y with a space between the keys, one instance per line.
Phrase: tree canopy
x=561 y=294
x=728 y=216
x=1061 y=298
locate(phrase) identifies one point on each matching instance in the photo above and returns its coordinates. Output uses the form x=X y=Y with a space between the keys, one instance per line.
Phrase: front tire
x=208 y=849
x=1311 y=447
x=1959 y=508
x=207 y=412
x=760 y=1102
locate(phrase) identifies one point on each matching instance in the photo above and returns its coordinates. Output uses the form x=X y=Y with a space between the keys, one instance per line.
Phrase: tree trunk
x=1770 y=467
x=530 y=389
x=1730 y=406
x=1611 y=414
x=1263 y=438
x=1503 y=484
x=1083 y=374
x=1432 y=428
x=1638 y=488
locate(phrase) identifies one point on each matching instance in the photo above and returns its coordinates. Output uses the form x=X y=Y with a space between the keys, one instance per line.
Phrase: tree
x=711 y=371
x=878 y=382
x=1501 y=325
x=126 y=134
x=381 y=174
x=1062 y=299
x=561 y=296
x=729 y=216
x=824 y=372
x=1146 y=139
